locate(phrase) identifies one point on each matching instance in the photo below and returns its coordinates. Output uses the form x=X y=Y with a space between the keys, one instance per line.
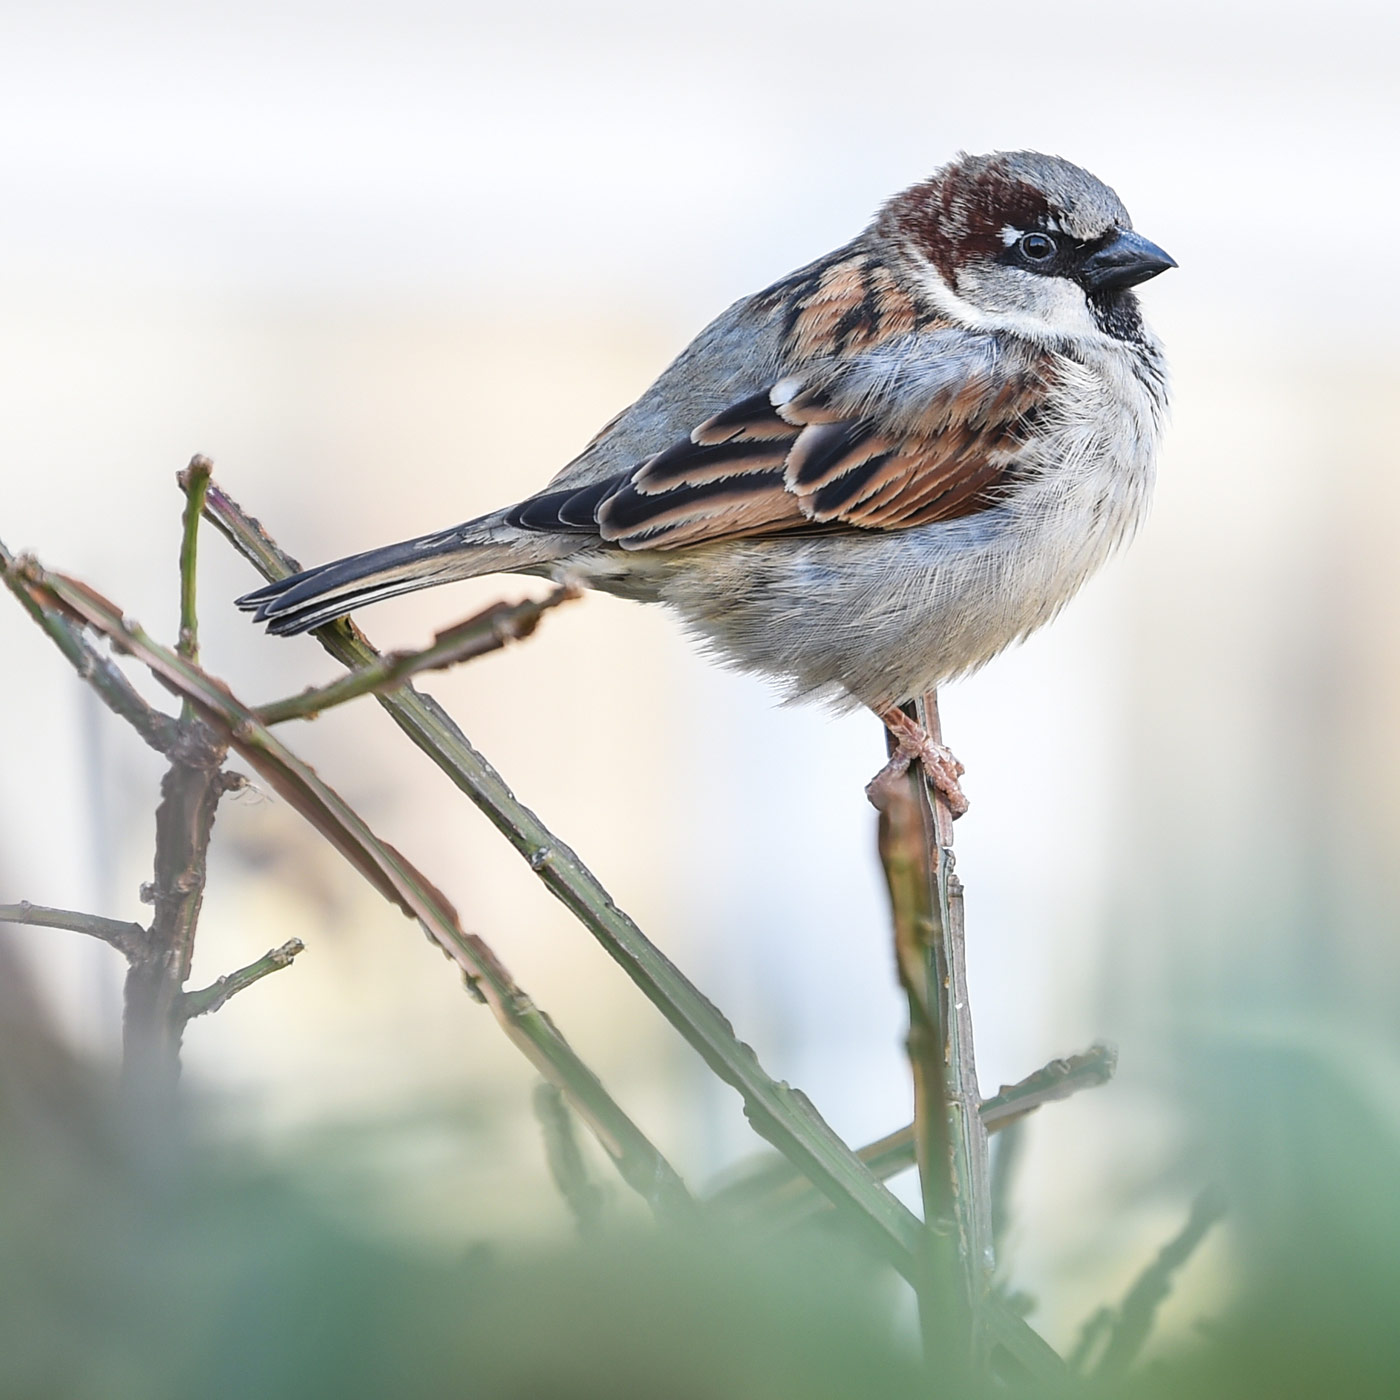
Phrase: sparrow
x=872 y=476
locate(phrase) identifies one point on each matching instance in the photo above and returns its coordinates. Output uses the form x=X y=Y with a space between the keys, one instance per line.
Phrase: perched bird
x=872 y=476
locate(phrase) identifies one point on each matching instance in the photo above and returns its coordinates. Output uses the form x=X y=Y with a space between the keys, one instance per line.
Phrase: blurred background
x=390 y=266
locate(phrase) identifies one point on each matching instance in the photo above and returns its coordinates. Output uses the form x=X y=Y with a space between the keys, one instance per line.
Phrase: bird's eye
x=1037 y=247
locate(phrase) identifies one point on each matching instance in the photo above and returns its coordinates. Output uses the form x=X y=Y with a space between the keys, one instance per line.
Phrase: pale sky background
x=391 y=265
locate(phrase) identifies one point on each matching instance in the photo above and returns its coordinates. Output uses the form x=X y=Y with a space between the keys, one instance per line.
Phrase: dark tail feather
x=317 y=596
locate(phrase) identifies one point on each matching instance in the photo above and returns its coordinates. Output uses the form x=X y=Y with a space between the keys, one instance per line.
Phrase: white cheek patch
x=1048 y=309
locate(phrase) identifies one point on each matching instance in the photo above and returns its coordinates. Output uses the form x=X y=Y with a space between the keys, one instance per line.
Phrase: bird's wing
x=917 y=427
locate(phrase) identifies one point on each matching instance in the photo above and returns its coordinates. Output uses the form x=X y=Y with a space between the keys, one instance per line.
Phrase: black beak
x=1124 y=262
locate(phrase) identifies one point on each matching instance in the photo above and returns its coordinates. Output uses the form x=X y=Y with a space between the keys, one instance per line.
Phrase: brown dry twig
x=126 y=938
x=487 y=631
x=99 y=671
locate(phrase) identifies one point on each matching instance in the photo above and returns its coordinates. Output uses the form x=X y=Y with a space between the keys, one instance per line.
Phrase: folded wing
x=904 y=435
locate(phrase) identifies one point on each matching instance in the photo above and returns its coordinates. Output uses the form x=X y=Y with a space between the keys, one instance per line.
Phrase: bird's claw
x=940 y=765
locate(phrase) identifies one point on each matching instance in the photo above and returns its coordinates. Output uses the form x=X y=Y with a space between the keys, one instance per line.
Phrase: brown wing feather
x=798 y=457
x=837 y=474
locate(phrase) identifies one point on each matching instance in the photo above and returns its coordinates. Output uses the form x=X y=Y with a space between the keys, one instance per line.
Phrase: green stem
x=966 y=1135
x=904 y=854
x=211 y=998
x=194 y=482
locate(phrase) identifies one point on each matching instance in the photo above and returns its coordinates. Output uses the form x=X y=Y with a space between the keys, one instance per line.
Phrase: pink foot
x=913 y=742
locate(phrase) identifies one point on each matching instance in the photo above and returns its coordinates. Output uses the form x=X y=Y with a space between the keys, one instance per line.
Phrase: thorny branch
x=131 y=939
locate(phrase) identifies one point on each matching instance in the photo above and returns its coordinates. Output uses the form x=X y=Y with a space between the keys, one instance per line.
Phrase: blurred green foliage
x=146 y=1265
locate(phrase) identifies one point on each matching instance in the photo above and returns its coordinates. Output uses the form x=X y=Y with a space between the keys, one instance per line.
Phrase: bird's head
x=1024 y=240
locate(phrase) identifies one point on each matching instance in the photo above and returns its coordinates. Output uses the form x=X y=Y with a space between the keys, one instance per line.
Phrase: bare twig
x=127 y=939
x=399 y=881
x=1060 y=1079
x=158 y=963
x=488 y=631
x=189 y=794
x=211 y=998
x=158 y=958
x=99 y=671
x=777 y=1186
x=566 y=1168
x=967 y=1136
x=153 y=1020
x=1133 y=1322
x=904 y=855
x=950 y=1140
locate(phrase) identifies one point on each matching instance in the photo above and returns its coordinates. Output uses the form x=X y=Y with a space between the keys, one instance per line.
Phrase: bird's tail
x=320 y=595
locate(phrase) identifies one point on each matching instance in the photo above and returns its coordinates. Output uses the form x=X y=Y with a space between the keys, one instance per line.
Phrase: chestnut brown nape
x=960 y=213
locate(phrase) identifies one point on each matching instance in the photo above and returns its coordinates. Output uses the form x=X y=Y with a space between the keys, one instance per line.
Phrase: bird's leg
x=912 y=741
